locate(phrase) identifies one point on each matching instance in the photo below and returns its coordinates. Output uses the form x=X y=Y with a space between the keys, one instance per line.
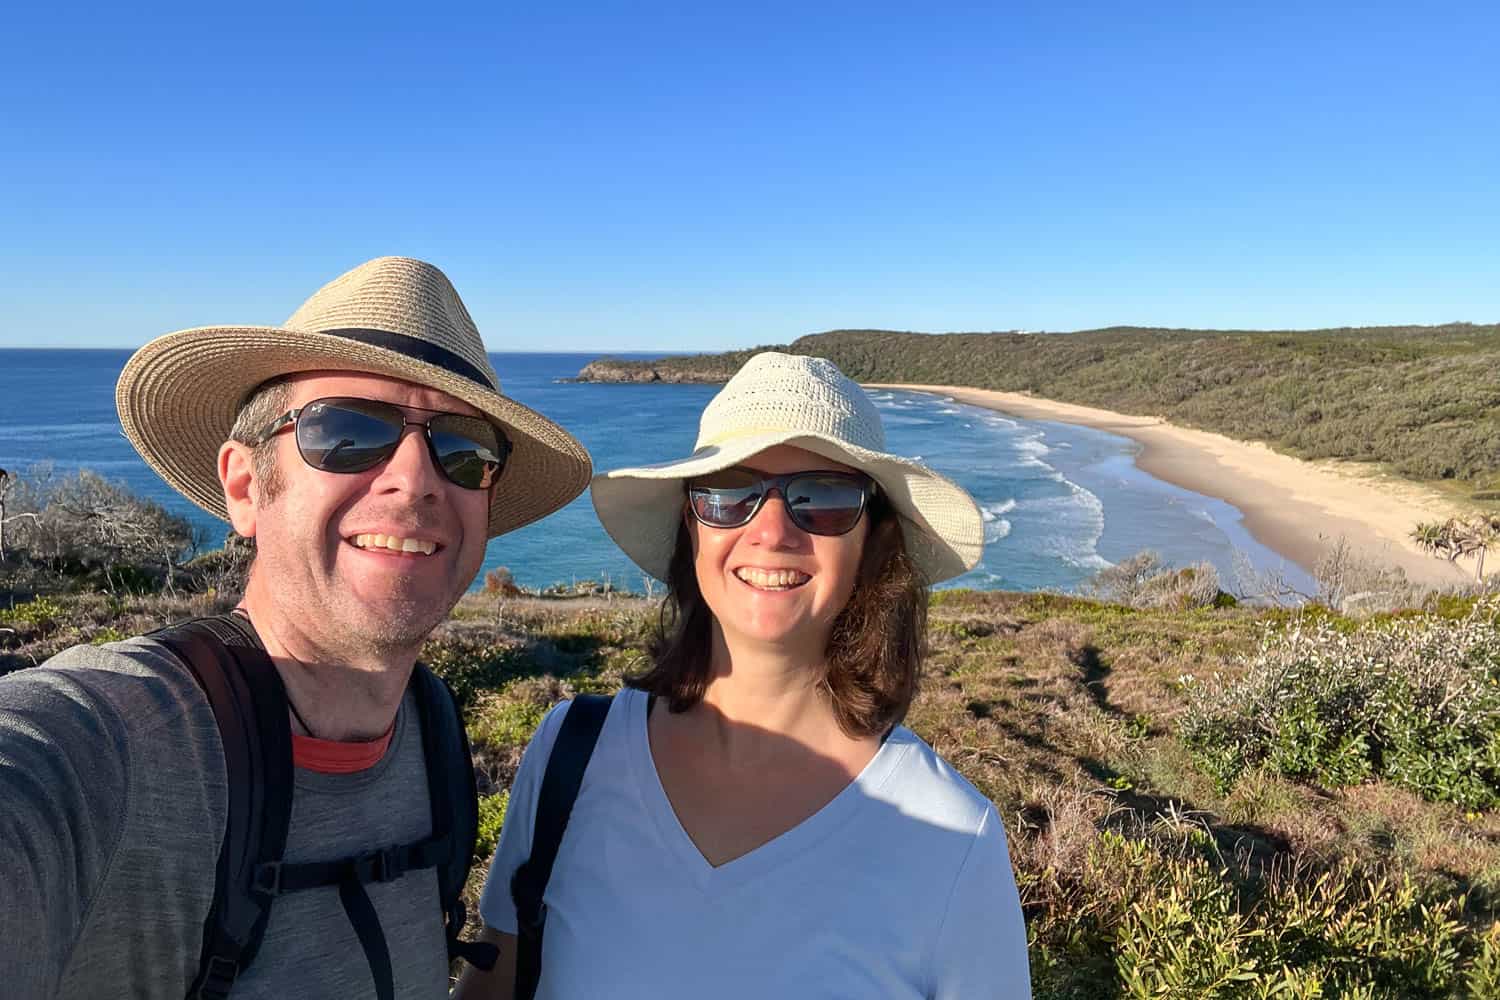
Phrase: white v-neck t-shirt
x=901 y=886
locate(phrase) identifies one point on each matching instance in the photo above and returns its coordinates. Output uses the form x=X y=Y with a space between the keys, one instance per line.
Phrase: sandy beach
x=1295 y=508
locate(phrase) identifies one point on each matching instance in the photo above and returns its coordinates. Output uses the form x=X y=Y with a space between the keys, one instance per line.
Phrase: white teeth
x=394 y=543
x=771 y=579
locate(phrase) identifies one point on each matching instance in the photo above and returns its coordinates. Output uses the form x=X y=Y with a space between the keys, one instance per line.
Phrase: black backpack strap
x=249 y=705
x=455 y=808
x=560 y=783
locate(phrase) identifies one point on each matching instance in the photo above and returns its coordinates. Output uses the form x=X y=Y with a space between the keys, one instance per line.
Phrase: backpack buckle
x=267 y=879
x=217 y=978
x=383 y=865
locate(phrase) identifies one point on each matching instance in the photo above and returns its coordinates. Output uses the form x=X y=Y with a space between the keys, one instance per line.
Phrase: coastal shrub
x=39 y=615
x=469 y=663
x=1147 y=916
x=223 y=570
x=1355 y=584
x=85 y=525
x=500 y=583
x=1143 y=581
x=1413 y=700
x=503 y=723
x=491 y=819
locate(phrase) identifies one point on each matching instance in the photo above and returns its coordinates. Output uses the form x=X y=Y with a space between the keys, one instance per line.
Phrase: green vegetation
x=1414 y=700
x=1318 y=816
x=1423 y=400
x=491 y=818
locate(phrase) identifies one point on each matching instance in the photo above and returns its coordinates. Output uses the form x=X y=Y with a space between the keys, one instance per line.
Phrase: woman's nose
x=773 y=523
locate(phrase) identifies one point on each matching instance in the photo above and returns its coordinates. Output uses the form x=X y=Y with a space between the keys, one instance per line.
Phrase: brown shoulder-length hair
x=874 y=652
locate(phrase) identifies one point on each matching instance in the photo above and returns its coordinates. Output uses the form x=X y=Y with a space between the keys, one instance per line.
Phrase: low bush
x=469 y=663
x=1413 y=700
x=1142 y=917
x=39 y=615
x=1143 y=581
x=491 y=819
x=498 y=722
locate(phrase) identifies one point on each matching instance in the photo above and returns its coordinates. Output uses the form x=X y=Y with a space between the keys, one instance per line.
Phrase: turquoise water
x=1060 y=502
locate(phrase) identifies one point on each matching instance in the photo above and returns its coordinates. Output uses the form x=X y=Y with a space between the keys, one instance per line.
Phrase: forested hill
x=1425 y=400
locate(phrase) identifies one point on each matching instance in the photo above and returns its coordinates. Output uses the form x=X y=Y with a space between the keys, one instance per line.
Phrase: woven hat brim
x=178 y=396
x=641 y=507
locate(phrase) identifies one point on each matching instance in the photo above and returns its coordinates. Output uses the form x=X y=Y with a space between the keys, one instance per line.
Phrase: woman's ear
x=237 y=477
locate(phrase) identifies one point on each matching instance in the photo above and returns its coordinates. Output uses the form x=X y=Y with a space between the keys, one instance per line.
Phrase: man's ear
x=237 y=476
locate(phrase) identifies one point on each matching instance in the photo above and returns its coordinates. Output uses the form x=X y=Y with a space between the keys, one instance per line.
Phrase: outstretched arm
x=62 y=804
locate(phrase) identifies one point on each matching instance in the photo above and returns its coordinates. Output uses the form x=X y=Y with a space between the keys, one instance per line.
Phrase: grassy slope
x=1061 y=711
x=1424 y=400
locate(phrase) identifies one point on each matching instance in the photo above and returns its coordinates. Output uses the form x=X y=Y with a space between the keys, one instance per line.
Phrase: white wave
x=990 y=511
x=1071 y=527
x=1029 y=452
x=995 y=530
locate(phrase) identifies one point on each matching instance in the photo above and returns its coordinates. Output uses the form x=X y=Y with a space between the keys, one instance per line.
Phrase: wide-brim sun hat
x=806 y=402
x=178 y=395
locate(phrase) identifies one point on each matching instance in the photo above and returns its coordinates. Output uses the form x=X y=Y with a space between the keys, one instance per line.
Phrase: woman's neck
x=758 y=705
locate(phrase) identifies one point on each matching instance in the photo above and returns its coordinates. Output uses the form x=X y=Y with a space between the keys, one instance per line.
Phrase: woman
x=754 y=821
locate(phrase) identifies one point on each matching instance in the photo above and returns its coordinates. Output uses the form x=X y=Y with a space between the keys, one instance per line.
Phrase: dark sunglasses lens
x=468 y=450
x=825 y=505
x=725 y=499
x=347 y=435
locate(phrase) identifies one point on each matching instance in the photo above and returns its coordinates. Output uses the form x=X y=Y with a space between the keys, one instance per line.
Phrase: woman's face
x=768 y=582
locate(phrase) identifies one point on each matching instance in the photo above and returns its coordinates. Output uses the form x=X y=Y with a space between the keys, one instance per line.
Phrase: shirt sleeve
x=981 y=944
x=63 y=782
x=495 y=905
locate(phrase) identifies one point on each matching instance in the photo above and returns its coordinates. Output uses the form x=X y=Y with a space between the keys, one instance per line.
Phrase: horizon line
x=878 y=329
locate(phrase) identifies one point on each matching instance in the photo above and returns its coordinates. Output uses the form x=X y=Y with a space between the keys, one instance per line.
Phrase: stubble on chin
x=406 y=618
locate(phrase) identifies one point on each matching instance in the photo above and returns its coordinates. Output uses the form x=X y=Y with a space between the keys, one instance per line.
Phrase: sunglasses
x=348 y=435
x=820 y=503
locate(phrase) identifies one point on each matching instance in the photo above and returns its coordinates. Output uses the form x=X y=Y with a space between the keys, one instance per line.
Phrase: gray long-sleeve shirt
x=112 y=809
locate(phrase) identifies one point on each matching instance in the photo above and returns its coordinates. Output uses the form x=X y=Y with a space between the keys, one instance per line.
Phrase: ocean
x=1060 y=502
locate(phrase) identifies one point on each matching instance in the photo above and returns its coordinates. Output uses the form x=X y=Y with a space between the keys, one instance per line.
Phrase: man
x=367 y=450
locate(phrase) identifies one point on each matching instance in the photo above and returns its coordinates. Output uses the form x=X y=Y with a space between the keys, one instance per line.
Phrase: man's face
x=329 y=556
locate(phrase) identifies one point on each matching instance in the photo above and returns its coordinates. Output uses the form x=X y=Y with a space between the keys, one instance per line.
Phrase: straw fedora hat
x=808 y=403
x=394 y=316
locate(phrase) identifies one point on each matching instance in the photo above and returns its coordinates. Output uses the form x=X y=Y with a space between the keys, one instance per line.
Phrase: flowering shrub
x=1415 y=701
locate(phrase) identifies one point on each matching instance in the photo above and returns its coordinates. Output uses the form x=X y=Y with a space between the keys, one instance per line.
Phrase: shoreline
x=1294 y=507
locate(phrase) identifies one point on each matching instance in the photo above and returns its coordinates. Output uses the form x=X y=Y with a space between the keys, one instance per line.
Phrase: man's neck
x=338 y=694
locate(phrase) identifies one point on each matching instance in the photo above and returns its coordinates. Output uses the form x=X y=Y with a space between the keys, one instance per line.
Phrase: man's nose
x=410 y=467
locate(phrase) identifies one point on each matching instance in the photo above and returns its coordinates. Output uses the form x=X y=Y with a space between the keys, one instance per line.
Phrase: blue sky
x=701 y=176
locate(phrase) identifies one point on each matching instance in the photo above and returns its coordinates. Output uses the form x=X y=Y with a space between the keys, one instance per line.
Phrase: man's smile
x=394 y=543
